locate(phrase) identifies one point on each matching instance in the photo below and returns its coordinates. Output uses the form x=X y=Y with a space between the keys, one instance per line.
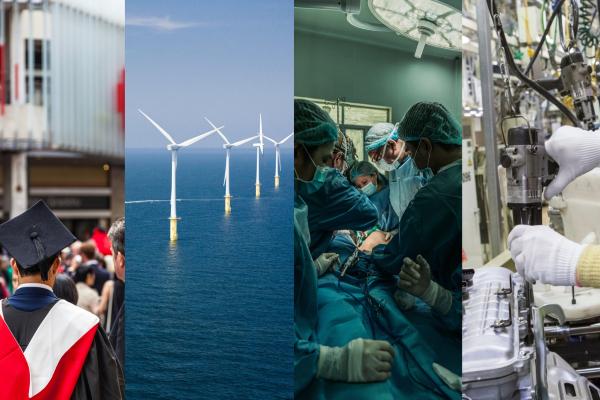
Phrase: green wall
x=329 y=67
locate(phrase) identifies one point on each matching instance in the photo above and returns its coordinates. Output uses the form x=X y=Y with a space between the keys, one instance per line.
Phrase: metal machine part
x=576 y=78
x=497 y=362
x=528 y=170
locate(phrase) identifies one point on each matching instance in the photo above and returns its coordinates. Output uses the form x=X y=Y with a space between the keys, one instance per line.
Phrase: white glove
x=576 y=151
x=541 y=254
x=325 y=261
x=449 y=377
x=361 y=360
x=415 y=278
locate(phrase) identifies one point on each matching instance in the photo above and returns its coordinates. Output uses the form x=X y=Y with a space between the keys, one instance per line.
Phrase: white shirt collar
x=37 y=285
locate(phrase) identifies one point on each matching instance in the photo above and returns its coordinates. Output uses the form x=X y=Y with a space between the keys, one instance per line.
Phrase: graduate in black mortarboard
x=50 y=349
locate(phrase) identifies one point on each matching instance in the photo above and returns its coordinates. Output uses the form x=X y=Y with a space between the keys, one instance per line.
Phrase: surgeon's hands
x=415 y=278
x=576 y=151
x=325 y=262
x=541 y=254
x=361 y=360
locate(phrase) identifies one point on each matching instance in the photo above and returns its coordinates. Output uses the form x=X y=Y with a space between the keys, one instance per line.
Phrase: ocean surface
x=210 y=317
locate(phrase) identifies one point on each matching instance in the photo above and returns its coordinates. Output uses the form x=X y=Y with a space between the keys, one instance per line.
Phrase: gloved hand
x=361 y=360
x=576 y=151
x=325 y=261
x=405 y=301
x=449 y=377
x=415 y=278
x=541 y=254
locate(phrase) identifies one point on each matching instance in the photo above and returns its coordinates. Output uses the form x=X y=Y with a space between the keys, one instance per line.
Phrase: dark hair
x=64 y=288
x=82 y=272
x=116 y=234
x=366 y=168
x=88 y=249
x=35 y=269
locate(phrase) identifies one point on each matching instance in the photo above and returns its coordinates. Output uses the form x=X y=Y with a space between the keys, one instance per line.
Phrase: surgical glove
x=576 y=151
x=404 y=301
x=361 y=360
x=541 y=254
x=449 y=377
x=325 y=261
x=415 y=278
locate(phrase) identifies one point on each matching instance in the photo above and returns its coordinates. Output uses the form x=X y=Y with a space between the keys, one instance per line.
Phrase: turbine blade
x=165 y=133
x=269 y=139
x=286 y=138
x=197 y=138
x=241 y=142
x=218 y=131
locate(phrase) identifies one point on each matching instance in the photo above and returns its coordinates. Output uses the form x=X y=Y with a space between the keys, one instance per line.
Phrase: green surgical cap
x=312 y=125
x=378 y=135
x=432 y=121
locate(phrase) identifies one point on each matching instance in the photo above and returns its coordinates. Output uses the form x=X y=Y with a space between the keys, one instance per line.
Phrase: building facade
x=62 y=94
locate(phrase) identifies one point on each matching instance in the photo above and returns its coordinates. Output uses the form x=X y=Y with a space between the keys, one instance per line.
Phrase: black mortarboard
x=34 y=236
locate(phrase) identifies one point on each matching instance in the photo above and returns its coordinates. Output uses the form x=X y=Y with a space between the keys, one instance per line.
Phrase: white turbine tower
x=259 y=151
x=227 y=146
x=278 y=155
x=173 y=147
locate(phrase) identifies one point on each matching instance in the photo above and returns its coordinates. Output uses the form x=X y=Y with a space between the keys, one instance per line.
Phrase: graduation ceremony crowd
x=78 y=288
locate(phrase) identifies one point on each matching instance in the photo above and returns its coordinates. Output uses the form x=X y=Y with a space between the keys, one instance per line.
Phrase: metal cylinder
x=562 y=331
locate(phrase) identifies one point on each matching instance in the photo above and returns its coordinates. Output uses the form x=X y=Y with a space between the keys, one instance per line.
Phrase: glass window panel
x=361 y=115
x=358 y=138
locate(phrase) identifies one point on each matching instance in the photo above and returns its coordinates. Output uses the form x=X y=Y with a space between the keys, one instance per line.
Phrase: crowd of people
x=86 y=278
x=84 y=282
x=377 y=264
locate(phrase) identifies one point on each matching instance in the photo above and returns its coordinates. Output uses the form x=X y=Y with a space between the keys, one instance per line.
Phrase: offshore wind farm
x=174 y=147
x=204 y=311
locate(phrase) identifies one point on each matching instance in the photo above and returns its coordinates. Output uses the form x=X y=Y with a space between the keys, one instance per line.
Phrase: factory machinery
x=524 y=341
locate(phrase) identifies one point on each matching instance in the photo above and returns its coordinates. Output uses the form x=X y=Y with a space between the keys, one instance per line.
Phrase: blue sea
x=210 y=317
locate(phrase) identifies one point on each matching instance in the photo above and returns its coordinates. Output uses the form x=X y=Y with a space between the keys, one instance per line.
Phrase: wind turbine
x=259 y=146
x=278 y=155
x=227 y=146
x=173 y=147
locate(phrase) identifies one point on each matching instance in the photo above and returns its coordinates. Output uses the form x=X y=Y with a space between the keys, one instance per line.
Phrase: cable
x=555 y=12
x=515 y=69
x=589 y=11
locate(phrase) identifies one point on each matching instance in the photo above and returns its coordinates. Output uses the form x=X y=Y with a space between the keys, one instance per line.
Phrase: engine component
x=528 y=170
x=576 y=78
x=497 y=362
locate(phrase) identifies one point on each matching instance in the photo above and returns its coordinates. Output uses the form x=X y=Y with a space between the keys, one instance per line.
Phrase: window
x=355 y=119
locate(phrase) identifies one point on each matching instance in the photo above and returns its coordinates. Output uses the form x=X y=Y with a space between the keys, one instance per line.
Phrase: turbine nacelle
x=173 y=147
x=260 y=145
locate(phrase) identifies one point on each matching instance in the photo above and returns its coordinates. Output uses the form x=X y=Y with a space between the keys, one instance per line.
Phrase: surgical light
x=426 y=21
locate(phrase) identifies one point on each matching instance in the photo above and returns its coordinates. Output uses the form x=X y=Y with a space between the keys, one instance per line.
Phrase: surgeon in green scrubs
x=360 y=360
x=431 y=224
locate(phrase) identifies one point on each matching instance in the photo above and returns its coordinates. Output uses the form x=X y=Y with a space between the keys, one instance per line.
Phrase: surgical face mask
x=395 y=164
x=318 y=178
x=369 y=189
x=406 y=181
